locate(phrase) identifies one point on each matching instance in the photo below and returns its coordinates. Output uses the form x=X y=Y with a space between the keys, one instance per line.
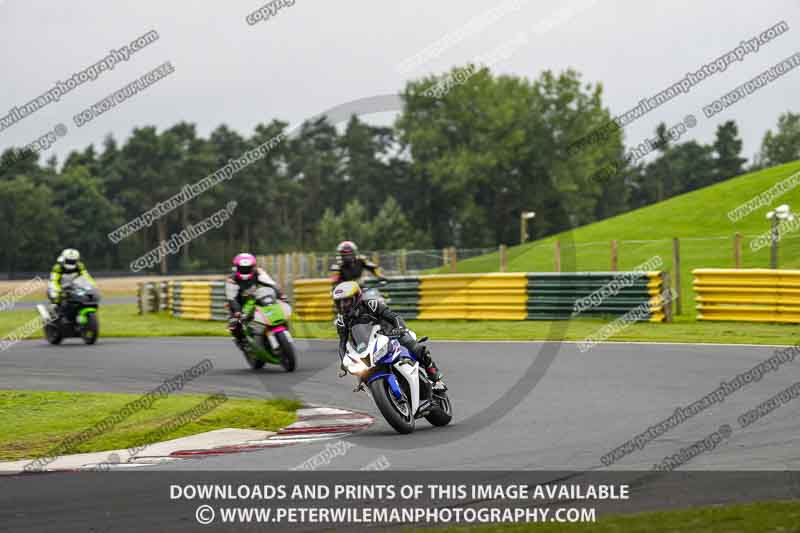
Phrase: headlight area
x=356 y=367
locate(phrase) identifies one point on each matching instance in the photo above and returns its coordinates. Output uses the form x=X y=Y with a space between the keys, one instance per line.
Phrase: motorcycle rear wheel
x=53 y=334
x=442 y=414
x=253 y=362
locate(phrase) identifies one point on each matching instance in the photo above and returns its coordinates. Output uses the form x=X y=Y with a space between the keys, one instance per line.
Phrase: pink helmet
x=244 y=265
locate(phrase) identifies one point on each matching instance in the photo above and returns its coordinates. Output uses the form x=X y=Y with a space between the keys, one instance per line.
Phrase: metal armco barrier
x=474 y=296
x=312 y=299
x=553 y=296
x=503 y=296
x=494 y=296
x=751 y=295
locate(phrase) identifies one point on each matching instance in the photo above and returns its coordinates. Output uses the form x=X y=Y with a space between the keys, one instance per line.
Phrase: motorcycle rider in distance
x=350 y=266
x=353 y=309
x=69 y=265
x=245 y=274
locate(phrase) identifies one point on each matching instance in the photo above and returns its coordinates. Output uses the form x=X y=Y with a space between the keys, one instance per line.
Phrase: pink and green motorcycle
x=266 y=327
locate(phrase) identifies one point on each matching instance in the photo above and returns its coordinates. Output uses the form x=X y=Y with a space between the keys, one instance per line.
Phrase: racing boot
x=239 y=339
x=241 y=343
x=424 y=357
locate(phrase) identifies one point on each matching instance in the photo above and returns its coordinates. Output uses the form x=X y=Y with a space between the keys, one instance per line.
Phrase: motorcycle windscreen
x=361 y=334
x=265 y=296
x=84 y=291
x=81 y=282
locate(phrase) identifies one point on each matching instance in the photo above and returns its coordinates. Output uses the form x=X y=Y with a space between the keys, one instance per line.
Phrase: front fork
x=273 y=341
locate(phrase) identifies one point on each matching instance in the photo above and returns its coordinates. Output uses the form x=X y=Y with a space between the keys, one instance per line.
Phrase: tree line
x=455 y=170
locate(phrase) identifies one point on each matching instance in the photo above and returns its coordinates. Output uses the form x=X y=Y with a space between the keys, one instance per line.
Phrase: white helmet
x=69 y=259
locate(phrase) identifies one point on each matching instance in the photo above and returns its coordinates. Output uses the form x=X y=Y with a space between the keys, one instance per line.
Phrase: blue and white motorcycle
x=392 y=374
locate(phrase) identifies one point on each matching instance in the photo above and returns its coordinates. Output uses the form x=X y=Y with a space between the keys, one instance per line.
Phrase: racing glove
x=235 y=321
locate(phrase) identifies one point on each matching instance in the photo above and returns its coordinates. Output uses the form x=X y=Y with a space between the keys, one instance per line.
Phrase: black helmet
x=347 y=251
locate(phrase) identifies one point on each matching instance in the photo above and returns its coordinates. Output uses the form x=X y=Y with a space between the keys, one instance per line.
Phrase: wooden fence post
x=666 y=296
x=557 y=253
x=312 y=265
x=614 y=256
x=503 y=258
x=453 y=259
x=737 y=250
x=676 y=269
x=280 y=271
x=296 y=266
x=403 y=264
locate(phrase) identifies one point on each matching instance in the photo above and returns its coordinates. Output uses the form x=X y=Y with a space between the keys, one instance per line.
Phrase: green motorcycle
x=266 y=327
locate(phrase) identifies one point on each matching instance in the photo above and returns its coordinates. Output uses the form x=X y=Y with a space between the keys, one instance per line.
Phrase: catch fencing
x=297 y=265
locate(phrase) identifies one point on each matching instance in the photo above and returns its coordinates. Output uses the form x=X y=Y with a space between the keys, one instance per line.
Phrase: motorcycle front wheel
x=397 y=412
x=91 y=330
x=288 y=356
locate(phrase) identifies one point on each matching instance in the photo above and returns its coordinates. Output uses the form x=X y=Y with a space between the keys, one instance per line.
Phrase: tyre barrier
x=747 y=294
x=194 y=300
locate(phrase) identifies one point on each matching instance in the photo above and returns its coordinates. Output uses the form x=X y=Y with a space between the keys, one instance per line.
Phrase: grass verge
x=764 y=517
x=124 y=321
x=32 y=422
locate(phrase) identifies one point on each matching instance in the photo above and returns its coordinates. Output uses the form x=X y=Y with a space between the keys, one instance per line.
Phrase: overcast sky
x=315 y=55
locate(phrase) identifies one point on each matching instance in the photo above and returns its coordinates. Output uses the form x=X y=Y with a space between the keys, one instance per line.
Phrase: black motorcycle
x=76 y=316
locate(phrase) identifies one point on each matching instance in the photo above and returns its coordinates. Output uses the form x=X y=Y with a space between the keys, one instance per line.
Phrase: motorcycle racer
x=245 y=274
x=353 y=309
x=350 y=266
x=67 y=264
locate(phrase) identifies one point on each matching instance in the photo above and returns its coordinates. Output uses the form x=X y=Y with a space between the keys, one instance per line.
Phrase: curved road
x=509 y=414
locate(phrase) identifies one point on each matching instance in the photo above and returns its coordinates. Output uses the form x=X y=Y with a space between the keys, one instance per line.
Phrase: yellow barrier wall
x=751 y=295
x=194 y=299
x=474 y=296
x=656 y=290
x=313 y=299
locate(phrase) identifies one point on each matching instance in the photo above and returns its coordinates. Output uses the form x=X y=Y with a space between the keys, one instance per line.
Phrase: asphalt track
x=517 y=405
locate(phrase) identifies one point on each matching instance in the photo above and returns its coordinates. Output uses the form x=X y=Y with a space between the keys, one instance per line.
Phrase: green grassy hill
x=699 y=219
